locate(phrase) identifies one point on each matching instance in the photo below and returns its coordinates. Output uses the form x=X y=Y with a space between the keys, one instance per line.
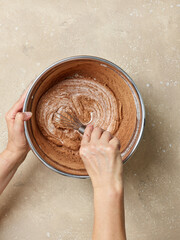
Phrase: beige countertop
x=142 y=37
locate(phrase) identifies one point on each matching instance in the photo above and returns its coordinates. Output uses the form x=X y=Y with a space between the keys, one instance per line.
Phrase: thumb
x=27 y=115
x=19 y=120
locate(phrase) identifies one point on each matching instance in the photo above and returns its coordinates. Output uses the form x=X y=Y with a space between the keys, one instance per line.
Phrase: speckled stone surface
x=142 y=37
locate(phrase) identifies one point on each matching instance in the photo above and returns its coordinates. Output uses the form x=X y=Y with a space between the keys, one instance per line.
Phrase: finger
x=96 y=133
x=106 y=137
x=17 y=107
x=87 y=134
x=19 y=121
x=115 y=142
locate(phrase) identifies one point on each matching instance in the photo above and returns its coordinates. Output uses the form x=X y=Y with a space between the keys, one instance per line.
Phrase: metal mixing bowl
x=31 y=102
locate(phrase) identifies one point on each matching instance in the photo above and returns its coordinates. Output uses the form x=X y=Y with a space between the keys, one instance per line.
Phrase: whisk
x=72 y=122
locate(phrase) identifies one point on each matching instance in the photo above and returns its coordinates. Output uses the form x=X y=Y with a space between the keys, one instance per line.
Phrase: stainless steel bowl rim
x=88 y=58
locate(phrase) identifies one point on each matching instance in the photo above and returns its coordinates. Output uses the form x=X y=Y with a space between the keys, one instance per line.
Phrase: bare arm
x=100 y=153
x=109 y=216
x=17 y=147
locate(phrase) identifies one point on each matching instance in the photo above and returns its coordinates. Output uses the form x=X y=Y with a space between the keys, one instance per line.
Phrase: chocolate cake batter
x=92 y=102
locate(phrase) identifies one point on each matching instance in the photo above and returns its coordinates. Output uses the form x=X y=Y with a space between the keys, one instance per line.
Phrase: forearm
x=9 y=162
x=109 y=222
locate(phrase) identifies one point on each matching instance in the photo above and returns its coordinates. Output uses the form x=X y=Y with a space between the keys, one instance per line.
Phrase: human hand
x=17 y=146
x=17 y=143
x=100 y=152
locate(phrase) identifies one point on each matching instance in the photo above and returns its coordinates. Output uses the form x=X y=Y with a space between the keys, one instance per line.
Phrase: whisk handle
x=82 y=129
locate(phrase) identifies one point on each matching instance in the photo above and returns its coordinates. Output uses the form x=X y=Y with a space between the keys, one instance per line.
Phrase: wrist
x=13 y=158
x=11 y=147
x=112 y=186
x=109 y=193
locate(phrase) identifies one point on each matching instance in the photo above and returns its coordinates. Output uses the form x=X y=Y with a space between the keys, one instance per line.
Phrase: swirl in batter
x=89 y=100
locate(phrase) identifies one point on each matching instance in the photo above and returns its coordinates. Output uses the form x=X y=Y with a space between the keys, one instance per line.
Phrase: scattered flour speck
x=167 y=84
x=48 y=234
x=170 y=145
x=23 y=70
x=147 y=85
x=23 y=85
x=175 y=83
